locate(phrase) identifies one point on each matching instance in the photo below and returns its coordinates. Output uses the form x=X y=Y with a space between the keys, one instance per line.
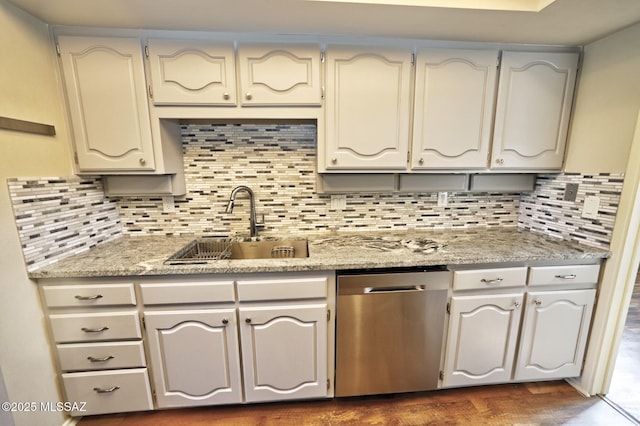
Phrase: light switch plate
x=571 y=192
x=590 y=208
x=168 y=205
x=442 y=199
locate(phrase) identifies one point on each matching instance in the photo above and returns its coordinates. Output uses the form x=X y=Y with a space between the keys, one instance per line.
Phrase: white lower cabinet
x=483 y=332
x=554 y=334
x=194 y=356
x=284 y=352
x=496 y=338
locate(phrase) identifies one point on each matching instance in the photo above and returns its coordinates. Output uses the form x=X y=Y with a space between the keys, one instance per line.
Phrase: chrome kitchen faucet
x=253 y=222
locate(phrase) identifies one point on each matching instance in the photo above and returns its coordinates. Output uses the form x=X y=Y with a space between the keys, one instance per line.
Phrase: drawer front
x=101 y=356
x=284 y=289
x=89 y=295
x=474 y=279
x=108 y=391
x=170 y=293
x=95 y=327
x=572 y=274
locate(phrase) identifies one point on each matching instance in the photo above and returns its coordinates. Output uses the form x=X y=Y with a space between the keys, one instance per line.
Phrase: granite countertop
x=146 y=255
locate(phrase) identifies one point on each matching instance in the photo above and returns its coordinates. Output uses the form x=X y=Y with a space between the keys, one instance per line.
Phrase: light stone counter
x=146 y=255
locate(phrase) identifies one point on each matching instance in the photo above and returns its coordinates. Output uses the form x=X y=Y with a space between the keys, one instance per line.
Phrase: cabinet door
x=185 y=72
x=280 y=75
x=367 y=106
x=554 y=334
x=105 y=84
x=284 y=352
x=453 y=115
x=194 y=357
x=482 y=338
x=535 y=93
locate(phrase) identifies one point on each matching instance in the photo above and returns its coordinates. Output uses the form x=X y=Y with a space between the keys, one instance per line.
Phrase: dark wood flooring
x=625 y=384
x=542 y=403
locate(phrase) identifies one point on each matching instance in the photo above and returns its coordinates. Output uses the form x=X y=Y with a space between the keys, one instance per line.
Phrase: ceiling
x=567 y=22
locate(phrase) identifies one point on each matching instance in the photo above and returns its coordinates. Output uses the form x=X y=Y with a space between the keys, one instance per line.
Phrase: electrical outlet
x=591 y=206
x=442 y=199
x=571 y=192
x=168 y=205
x=338 y=202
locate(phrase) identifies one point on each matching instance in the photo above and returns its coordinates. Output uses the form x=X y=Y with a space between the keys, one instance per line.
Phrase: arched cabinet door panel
x=535 y=93
x=284 y=352
x=107 y=94
x=453 y=114
x=286 y=74
x=190 y=72
x=554 y=334
x=368 y=105
x=194 y=357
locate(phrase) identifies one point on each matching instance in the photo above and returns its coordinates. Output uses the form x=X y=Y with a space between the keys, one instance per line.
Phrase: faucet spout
x=253 y=225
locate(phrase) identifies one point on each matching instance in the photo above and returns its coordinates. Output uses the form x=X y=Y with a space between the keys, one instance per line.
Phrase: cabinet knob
x=334 y=160
x=516 y=304
x=537 y=302
x=500 y=161
x=249 y=96
x=247 y=320
x=225 y=321
x=143 y=161
x=226 y=96
x=421 y=161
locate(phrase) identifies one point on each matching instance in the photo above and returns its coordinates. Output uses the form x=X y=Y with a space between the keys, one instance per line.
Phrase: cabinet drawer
x=89 y=295
x=176 y=292
x=282 y=289
x=489 y=278
x=109 y=391
x=101 y=356
x=95 y=327
x=572 y=274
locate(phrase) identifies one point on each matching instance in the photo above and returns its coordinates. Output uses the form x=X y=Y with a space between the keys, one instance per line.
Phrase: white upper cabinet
x=282 y=74
x=187 y=72
x=105 y=84
x=535 y=94
x=453 y=114
x=368 y=104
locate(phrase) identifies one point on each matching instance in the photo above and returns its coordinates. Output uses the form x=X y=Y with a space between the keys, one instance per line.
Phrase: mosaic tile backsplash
x=545 y=210
x=59 y=217
x=279 y=163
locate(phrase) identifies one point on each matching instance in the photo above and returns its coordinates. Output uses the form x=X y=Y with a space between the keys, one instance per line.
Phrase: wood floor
x=625 y=384
x=543 y=403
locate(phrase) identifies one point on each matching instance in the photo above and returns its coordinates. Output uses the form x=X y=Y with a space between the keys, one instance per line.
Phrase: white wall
x=607 y=104
x=28 y=91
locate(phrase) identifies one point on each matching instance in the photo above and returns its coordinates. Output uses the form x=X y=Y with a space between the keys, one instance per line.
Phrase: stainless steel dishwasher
x=390 y=327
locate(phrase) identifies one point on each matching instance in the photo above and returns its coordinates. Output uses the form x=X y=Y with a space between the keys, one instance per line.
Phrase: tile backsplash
x=279 y=163
x=57 y=217
x=545 y=210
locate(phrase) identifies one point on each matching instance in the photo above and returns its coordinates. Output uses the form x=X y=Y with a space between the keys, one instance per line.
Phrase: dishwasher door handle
x=369 y=290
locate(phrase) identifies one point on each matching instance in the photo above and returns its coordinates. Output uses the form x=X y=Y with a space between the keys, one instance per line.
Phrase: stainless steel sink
x=206 y=249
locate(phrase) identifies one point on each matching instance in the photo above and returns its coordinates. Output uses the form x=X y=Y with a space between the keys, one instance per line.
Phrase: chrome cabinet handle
x=567 y=277
x=109 y=390
x=94 y=330
x=104 y=359
x=94 y=297
x=493 y=281
x=421 y=161
x=334 y=160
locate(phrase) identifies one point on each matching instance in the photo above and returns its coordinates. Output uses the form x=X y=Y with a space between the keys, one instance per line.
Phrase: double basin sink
x=209 y=249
